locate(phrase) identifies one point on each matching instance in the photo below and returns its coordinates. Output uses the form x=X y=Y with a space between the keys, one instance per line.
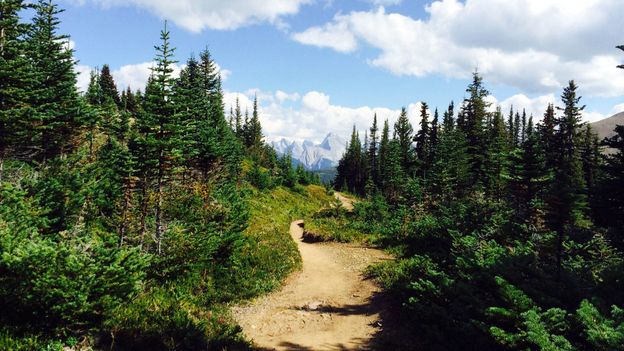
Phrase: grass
x=272 y=212
x=335 y=223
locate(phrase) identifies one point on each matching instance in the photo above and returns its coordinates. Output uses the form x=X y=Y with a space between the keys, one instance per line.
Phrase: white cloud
x=335 y=36
x=385 y=2
x=314 y=117
x=83 y=76
x=197 y=15
x=134 y=76
x=533 y=45
x=536 y=106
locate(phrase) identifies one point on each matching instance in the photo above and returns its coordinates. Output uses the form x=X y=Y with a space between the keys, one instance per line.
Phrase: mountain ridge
x=313 y=156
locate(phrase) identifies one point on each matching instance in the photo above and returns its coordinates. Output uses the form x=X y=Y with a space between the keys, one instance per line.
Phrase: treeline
x=122 y=214
x=509 y=232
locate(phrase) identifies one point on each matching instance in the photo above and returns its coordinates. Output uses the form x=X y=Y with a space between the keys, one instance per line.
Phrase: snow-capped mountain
x=313 y=156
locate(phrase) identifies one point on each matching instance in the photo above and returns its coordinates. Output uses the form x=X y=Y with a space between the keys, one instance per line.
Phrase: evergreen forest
x=134 y=219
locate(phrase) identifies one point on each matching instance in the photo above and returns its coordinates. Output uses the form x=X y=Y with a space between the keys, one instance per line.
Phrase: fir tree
x=609 y=203
x=511 y=127
x=567 y=200
x=108 y=86
x=496 y=161
x=55 y=118
x=548 y=137
x=435 y=130
x=158 y=128
x=423 y=141
x=403 y=133
x=448 y=122
x=256 y=139
x=475 y=114
x=238 y=121
x=373 y=150
x=15 y=79
x=384 y=151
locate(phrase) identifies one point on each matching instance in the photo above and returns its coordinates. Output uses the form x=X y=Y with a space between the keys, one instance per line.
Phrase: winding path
x=328 y=305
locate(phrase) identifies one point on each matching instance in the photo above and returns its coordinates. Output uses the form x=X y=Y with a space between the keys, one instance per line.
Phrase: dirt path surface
x=347 y=202
x=328 y=305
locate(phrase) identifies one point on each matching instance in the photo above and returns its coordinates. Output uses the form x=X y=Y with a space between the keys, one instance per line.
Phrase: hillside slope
x=604 y=128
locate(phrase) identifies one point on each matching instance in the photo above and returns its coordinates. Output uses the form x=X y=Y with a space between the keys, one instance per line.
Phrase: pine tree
x=55 y=118
x=403 y=134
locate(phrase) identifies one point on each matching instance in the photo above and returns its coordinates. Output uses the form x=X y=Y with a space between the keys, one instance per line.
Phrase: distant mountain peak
x=313 y=156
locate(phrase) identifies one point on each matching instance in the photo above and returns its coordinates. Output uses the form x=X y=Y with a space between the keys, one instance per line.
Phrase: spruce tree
x=255 y=128
x=528 y=178
x=423 y=141
x=475 y=115
x=15 y=75
x=108 y=86
x=54 y=118
x=159 y=129
x=435 y=130
x=238 y=121
x=403 y=133
x=384 y=144
x=548 y=137
x=510 y=127
x=448 y=122
x=609 y=203
x=567 y=199
x=497 y=156
x=373 y=151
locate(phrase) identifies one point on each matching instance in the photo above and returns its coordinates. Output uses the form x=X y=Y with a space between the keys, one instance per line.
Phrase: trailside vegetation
x=127 y=219
x=508 y=231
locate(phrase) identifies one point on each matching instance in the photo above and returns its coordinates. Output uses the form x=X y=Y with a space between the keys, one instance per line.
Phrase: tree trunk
x=143 y=211
x=159 y=228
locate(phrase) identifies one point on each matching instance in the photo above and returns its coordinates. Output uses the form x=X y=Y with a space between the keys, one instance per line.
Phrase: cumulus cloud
x=533 y=45
x=134 y=76
x=313 y=116
x=197 y=15
x=83 y=75
x=536 y=106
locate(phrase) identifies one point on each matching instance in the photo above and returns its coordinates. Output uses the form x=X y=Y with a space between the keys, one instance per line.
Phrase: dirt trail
x=326 y=306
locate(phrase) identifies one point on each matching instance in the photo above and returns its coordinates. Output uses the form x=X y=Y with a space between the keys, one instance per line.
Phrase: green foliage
x=603 y=333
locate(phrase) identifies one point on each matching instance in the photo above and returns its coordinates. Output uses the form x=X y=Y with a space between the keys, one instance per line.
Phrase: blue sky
x=321 y=66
